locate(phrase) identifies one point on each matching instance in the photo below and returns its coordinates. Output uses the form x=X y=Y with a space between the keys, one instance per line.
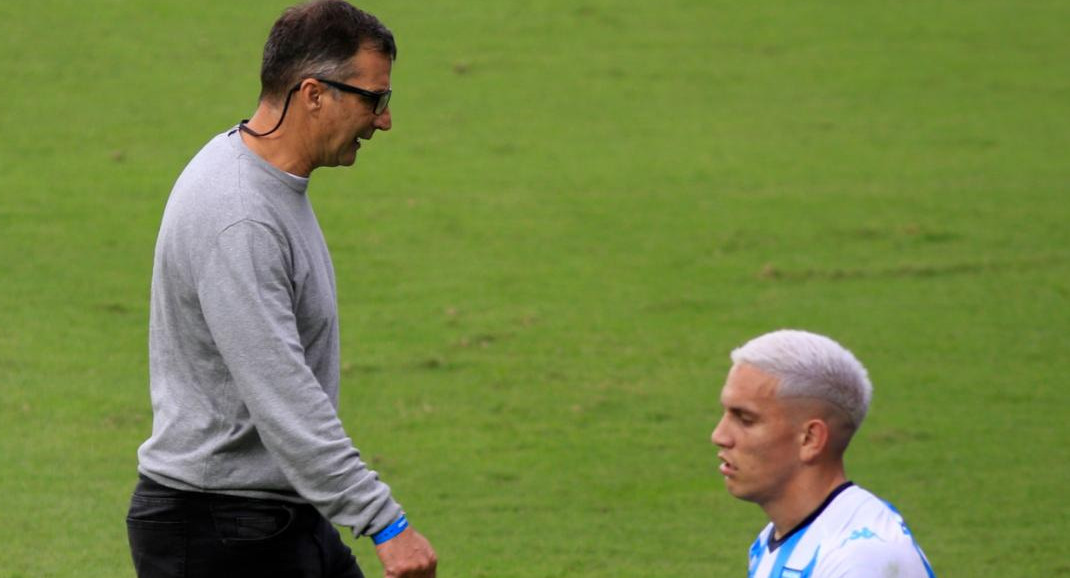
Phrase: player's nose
x=719 y=436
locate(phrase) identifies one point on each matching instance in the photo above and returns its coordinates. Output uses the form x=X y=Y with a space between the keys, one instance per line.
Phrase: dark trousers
x=175 y=534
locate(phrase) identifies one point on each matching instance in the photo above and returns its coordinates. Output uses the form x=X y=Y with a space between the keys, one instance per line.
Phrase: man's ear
x=815 y=440
x=311 y=94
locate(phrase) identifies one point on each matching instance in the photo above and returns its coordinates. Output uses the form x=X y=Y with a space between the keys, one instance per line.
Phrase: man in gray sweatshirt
x=248 y=464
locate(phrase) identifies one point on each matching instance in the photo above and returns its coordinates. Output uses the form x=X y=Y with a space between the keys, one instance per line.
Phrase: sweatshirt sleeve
x=246 y=292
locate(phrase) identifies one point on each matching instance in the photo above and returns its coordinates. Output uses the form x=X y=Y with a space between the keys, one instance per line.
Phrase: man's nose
x=383 y=121
x=719 y=436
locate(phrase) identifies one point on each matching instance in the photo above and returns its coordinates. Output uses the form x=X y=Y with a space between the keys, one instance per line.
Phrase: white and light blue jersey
x=854 y=534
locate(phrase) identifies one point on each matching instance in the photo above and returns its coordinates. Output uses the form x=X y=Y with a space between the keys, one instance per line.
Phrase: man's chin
x=733 y=488
x=346 y=160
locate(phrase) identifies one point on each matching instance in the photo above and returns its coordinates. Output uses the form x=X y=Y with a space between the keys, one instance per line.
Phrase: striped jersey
x=854 y=534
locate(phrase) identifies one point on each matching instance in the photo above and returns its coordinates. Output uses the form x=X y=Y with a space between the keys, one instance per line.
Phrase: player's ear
x=815 y=438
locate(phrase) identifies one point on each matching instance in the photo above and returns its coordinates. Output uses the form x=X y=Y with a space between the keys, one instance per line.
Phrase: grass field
x=583 y=206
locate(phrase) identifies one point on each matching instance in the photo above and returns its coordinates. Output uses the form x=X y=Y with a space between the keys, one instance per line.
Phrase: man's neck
x=282 y=148
x=801 y=498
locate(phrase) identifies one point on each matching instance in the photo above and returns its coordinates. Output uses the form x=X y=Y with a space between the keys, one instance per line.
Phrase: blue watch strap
x=391 y=531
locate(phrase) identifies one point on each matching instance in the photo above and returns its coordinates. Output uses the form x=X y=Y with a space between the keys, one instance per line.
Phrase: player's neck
x=805 y=494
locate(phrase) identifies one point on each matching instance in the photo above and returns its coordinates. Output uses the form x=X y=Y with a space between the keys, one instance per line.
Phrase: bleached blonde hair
x=808 y=365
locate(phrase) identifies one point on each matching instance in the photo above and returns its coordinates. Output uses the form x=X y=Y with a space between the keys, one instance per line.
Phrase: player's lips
x=726 y=467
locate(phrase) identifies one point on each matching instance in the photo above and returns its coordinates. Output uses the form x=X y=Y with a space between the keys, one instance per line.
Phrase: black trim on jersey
x=775 y=542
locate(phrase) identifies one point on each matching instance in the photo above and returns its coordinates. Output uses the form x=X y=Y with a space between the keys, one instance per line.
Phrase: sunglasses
x=379 y=100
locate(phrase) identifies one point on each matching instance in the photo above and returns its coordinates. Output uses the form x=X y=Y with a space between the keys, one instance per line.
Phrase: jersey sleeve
x=247 y=297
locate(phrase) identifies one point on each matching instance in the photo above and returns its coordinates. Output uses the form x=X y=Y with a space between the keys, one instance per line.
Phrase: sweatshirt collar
x=295 y=183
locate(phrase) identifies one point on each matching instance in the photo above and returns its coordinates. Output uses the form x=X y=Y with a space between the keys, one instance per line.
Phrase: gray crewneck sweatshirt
x=244 y=346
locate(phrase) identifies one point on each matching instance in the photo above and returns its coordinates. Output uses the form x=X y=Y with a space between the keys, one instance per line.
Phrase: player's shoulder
x=857 y=505
x=865 y=533
x=868 y=554
x=859 y=515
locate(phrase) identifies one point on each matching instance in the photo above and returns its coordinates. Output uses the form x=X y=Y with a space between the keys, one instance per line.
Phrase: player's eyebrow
x=741 y=412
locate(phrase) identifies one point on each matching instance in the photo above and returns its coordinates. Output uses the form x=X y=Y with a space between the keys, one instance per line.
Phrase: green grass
x=582 y=208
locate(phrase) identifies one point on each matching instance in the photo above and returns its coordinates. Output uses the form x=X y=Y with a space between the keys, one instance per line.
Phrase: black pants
x=175 y=534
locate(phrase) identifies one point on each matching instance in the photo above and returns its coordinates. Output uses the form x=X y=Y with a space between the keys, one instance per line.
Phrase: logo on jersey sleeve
x=864 y=534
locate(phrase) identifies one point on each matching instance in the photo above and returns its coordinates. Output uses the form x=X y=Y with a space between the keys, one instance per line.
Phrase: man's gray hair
x=811 y=366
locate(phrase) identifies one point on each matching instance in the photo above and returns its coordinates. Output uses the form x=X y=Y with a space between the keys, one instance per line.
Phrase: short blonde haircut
x=808 y=365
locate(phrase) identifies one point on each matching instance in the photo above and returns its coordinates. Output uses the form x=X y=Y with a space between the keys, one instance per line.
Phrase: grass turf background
x=582 y=208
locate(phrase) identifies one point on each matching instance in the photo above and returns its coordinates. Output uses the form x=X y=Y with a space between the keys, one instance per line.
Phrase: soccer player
x=792 y=402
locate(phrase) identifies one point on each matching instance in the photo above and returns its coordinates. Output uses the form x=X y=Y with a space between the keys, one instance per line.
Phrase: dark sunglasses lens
x=384 y=100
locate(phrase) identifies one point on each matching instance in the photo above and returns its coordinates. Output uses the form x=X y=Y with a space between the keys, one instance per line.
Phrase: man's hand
x=407 y=555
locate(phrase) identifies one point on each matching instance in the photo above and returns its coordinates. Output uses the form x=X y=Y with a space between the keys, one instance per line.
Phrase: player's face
x=757 y=437
x=350 y=118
